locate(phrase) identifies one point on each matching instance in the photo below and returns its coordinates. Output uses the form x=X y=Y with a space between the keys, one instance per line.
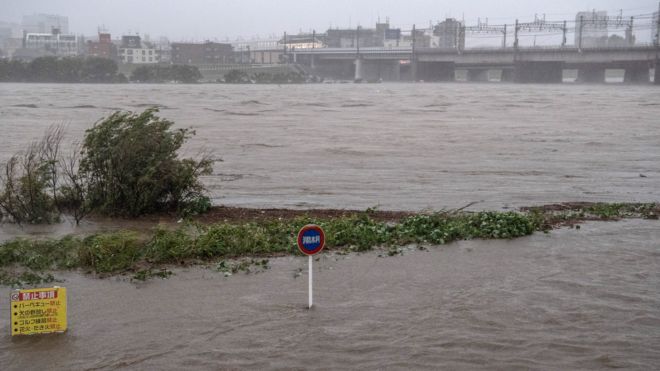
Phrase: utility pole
x=313 y=39
x=504 y=40
x=357 y=36
x=413 y=41
x=656 y=78
x=657 y=31
x=563 y=40
x=580 y=33
x=286 y=57
x=515 y=38
x=413 y=59
x=629 y=32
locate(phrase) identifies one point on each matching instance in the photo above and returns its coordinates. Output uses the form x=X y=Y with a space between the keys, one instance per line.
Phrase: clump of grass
x=24 y=278
x=145 y=274
x=551 y=216
x=246 y=266
x=122 y=252
x=112 y=252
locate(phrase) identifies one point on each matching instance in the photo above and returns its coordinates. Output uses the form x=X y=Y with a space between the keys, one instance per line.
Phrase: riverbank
x=231 y=233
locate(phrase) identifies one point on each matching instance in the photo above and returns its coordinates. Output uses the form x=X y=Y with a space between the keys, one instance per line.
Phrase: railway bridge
x=522 y=65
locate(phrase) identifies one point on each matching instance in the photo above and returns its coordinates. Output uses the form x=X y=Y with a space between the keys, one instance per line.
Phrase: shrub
x=131 y=164
x=29 y=182
x=237 y=77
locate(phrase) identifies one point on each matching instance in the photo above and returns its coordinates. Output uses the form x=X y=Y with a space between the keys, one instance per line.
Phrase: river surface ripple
x=396 y=146
x=568 y=300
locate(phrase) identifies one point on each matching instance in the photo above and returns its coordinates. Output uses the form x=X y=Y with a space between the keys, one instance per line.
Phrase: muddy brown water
x=568 y=300
x=572 y=299
x=396 y=146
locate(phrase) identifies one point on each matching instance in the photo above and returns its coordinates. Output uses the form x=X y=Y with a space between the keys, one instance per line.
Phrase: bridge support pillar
x=480 y=75
x=592 y=75
x=637 y=74
x=359 y=72
x=539 y=72
x=381 y=70
x=436 y=71
x=507 y=75
x=656 y=78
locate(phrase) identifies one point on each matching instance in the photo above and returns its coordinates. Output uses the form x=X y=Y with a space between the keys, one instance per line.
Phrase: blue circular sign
x=311 y=239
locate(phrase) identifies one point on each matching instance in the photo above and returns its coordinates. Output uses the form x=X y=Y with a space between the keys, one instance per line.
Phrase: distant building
x=202 y=53
x=103 y=48
x=5 y=34
x=55 y=43
x=448 y=35
x=11 y=45
x=131 y=42
x=163 y=50
x=302 y=41
x=133 y=51
x=261 y=44
x=420 y=39
x=591 y=29
x=45 y=23
x=366 y=37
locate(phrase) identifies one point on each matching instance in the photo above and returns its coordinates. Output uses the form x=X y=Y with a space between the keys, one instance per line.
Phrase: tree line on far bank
x=90 y=70
x=63 y=70
x=159 y=74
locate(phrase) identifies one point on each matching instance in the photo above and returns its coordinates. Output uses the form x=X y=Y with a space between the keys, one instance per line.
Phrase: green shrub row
x=117 y=252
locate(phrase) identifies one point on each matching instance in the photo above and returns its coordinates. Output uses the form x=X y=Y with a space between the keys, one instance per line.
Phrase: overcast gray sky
x=198 y=20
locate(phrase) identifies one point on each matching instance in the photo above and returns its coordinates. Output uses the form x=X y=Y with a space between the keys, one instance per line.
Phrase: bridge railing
x=493 y=49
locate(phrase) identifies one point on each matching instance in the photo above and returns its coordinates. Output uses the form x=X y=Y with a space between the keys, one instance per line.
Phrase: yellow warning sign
x=38 y=311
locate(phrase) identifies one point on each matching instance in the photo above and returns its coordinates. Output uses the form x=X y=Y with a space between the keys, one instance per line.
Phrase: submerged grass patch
x=22 y=261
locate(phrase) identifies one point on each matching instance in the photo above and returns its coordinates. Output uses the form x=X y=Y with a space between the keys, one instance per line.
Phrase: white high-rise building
x=45 y=23
x=591 y=29
x=52 y=44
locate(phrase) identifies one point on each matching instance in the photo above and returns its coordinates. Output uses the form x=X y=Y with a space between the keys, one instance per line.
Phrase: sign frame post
x=311 y=285
x=311 y=240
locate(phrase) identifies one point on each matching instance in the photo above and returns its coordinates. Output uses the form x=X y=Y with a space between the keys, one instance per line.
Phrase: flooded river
x=570 y=299
x=397 y=146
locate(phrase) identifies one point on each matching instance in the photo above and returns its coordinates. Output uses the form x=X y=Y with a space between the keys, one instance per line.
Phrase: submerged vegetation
x=24 y=261
x=291 y=77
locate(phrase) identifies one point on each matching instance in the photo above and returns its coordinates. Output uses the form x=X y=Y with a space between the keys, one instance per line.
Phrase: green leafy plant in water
x=230 y=268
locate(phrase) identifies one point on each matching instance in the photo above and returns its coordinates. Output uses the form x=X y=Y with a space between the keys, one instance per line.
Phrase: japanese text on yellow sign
x=38 y=311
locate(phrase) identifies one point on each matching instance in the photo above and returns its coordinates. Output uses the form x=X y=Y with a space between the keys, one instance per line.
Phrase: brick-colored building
x=202 y=53
x=103 y=48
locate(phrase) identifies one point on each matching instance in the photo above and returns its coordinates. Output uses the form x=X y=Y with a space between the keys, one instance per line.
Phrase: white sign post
x=311 y=270
x=311 y=240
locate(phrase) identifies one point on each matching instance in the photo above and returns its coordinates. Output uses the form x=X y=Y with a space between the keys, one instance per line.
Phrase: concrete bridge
x=523 y=65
